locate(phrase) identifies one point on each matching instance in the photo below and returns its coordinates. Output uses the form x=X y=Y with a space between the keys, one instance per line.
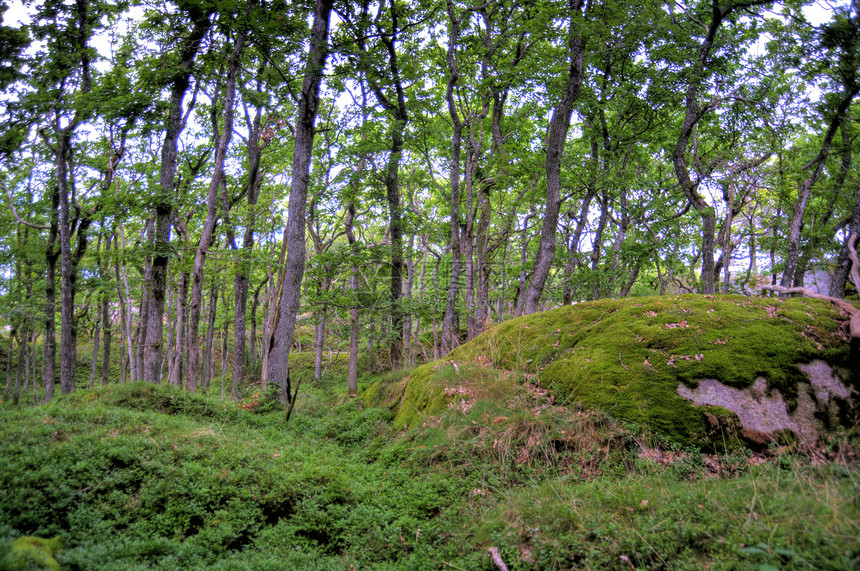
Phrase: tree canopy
x=197 y=180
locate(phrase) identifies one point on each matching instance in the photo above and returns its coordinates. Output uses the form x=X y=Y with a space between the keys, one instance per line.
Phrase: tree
x=556 y=139
x=179 y=78
x=279 y=359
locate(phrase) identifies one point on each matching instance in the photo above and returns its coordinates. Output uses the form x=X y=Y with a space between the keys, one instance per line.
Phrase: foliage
x=128 y=477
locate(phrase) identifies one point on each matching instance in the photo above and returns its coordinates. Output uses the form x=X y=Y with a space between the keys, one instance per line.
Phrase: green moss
x=627 y=357
x=424 y=394
x=36 y=552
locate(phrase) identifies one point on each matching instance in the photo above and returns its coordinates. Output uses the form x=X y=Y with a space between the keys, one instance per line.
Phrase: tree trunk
x=49 y=348
x=596 y=290
x=805 y=189
x=243 y=264
x=68 y=332
x=19 y=369
x=208 y=356
x=207 y=235
x=279 y=359
x=843 y=263
x=352 y=376
x=558 y=128
x=180 y=346
x=573 y=246
x=164 y=201
x=95 y=359
x=106 y=339
x=482 y=240
x=450 y=336
x=522 y=287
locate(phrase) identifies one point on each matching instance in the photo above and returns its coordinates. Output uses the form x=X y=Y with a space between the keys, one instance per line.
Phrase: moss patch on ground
x=626 y=357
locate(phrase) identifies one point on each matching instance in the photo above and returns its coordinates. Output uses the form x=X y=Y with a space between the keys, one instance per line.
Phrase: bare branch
x=39 y=226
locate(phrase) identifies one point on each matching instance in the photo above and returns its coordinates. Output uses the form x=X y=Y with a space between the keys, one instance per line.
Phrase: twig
x=626 y=368
x=598 y=319
x=696 y=337
x=497 y=558
x=293 y=401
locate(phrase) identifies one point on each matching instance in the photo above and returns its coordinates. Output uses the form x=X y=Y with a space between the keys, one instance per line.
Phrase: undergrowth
x=149 y=477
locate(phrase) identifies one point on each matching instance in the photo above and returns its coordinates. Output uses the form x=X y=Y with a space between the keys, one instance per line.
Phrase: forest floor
x=141 y=476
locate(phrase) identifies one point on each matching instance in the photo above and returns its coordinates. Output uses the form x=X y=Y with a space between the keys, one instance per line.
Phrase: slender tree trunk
x=106 y=339
x=68 y=332
x=164 y=201
x=450 y=336
x=178 y=359
x=524 y=250
x=843 y=264
x=805 y=189
x=49 y=347
x=208 y=355
x=482 y=239
x=19 y=369
x=253 y=334
x=319 y=342
x=243 y=265
x=558 y=128
x=279 y=359
x=467 y=241
x=270 y=311
x=95 y=359
x=436 y=343
x=407 y=296
x=126 y=309
x=208 y=233
x=596 y=289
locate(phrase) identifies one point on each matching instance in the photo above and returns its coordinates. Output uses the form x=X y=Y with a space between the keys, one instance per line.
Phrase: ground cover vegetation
x=222 y=217
x=147 y=476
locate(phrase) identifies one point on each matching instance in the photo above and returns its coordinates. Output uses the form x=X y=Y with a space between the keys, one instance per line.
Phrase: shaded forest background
x=198 y=188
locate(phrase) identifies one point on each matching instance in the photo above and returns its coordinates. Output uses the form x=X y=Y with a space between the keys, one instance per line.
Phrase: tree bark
x=819 y=162
x=68 y=333
x=200 y=21
x=243 y=264
x=208 y=233
x=279 y=359
x=558 y=128
x=209 y=343
x=843 y=263
x=450 y=336
x=49 y=348
x=106 y=338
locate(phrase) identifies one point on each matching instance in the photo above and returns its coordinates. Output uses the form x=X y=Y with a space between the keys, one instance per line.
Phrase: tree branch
x=40 y=227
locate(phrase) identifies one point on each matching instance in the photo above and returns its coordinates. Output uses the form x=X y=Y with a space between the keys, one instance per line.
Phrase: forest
x=354 y=284
x=198 y=187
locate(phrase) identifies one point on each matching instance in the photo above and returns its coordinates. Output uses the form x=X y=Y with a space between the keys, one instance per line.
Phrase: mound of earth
x=704 y=370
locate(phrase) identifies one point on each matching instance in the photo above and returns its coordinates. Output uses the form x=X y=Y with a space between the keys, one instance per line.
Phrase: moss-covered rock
x=29 y=552
x=629 y=357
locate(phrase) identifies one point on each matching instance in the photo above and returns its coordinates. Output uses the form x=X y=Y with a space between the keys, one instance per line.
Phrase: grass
x=139 y=476
x=148 y=477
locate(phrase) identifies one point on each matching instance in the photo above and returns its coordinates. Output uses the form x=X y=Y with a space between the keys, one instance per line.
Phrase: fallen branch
x=497 y=558
x=855 y=262
x=853 y=312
